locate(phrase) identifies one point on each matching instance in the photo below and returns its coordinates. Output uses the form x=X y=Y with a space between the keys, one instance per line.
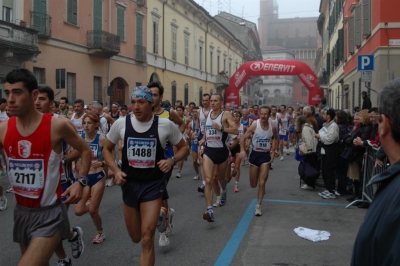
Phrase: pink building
x=90 y=49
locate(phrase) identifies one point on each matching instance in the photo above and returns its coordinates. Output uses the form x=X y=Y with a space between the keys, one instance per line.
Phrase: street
x=236 y=237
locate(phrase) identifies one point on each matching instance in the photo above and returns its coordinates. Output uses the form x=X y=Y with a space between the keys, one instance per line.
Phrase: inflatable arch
x=274 y=68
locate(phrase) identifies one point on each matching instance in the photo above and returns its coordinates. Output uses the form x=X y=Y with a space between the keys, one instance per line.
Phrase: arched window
x=266 y=92
x=277 y=92
x=297 y=32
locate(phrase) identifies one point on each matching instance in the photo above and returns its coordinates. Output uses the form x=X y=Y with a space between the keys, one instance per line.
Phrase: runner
x=194 y=134
x=63 y=107
x=40 y=220
x=3 y=171
x=218 y=125
x=168 y=213
x=78 y=115
x=235 y=151
x=203 y=113
x=93 y=192
x=260 y=156
x=115 y=113
x=181 y=114
x=274 y=119
x=43 y=104
x=284 y=120
x=143 y=167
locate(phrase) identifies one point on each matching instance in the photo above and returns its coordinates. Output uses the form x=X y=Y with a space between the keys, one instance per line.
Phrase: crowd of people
x=137 y=146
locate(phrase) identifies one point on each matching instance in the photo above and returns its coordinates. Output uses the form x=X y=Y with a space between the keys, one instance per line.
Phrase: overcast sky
x=251 y=8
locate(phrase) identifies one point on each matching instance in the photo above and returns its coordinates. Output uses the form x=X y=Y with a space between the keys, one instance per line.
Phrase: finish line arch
x=273 y=68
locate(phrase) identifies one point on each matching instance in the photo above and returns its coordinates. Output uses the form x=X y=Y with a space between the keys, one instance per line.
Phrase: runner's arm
x=174 y=117
x=247 y=135
x=276 y=140
x=227 y=120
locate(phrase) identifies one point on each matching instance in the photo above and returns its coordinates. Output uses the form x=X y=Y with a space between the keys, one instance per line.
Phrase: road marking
x=231 y=247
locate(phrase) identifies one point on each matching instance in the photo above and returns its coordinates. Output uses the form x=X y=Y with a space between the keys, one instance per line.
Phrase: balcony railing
x=222 y=79
x=323 y=80
x=42 y=23
x=106 y=43
x=18 y=36
x=140 y=53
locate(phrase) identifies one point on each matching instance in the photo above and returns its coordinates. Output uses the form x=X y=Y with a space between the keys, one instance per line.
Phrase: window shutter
x=340 y=44
x=367 y=18
x=328 y=64
x=351 y=34
x=121 y=23
x=358 y=26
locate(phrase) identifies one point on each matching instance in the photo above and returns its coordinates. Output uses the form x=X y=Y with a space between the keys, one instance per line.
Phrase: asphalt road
x=236 y=237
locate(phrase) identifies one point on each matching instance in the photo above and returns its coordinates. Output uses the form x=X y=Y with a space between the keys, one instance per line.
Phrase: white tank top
x=78 y=123
x=274 y=121
x=285 y=124
x=215 y=138
x=202 y=119
x=261 y=140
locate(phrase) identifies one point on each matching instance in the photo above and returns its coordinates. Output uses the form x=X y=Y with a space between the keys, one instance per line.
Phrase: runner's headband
x=142 y=92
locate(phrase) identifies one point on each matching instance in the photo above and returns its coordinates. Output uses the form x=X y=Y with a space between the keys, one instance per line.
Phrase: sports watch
x=83 y=180
x=174 y=159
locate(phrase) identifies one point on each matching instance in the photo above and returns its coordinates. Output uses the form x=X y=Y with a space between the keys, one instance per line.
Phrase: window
x=71 y=86
x=60 y=78
x=155 y=37
x=211 y=62
x=187 y=49
x=7 y=14
x=121 y=23
x=72 y=12
x=303 y=91
x=351 y=35
x=201 y=58
x=97 y=89
x=139 y=30
x=186 y=96
x=224 y=64
x=297 y=32
x=200 y=94
x=366 y=18
x=174 y=34
x=357 y=38
x=173 y=92
x=218 y=67
x=40 y=74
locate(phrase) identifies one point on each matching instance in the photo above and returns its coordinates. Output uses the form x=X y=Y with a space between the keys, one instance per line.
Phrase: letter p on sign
x=365 y=62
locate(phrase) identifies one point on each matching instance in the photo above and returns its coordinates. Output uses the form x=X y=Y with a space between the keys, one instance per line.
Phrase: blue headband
x=142 y=92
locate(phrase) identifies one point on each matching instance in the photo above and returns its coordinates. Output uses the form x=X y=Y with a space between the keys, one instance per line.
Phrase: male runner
x=218 y=125
x=203 y=113
x=143 y=167
x=43 y=104
x=260 y=156
x=284 y=120
x=181 y=114
x=33 y=144
x=79 y=114
x=115 y=113
x=193 y=136
x=3 y=172
x=63 y=105
x=166 y=213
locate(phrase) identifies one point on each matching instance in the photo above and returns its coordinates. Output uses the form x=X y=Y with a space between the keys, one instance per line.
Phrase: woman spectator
x=307 y=136
x=362 y=128
x=342 y=165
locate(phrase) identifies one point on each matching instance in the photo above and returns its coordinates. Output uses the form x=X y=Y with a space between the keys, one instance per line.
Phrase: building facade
x=93 y=50
x=18 y=43
x=190 y=52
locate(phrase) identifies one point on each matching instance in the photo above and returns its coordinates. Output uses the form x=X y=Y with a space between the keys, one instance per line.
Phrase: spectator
x=324 y=106
x=310 y=118
x=366 y=101
x=317 y=117
x=373 y=140
x=342 y=165
x=378 y=240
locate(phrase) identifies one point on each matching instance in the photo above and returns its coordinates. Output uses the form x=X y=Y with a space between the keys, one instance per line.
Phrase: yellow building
x=189 y=51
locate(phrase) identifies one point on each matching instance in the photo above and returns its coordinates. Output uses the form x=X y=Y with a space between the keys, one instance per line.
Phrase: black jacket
x=366 y=103
x=363 y=132
x=378 y=240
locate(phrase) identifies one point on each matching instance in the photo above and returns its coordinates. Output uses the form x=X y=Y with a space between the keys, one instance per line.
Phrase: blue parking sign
x=365 y=62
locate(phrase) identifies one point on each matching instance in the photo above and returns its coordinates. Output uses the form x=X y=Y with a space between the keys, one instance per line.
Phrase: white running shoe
x=164 y=240
x=217 y=203
x=109 y=182
x=306 y=187
x=281 y=158
x=3 y=203
x=10 y=190
x=258 y=210
x=196 y=177
x=178 y=174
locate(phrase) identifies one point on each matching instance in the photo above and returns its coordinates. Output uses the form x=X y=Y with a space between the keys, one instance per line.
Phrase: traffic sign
x=365 y=62
x=394 y=42
x=366 y=76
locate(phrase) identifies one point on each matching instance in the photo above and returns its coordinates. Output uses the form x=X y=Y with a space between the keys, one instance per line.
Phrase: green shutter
x=340 y=44
x=72 y=11
x=40 y=16
x=121 y=23
x=139 y=30
x=328 y=64
x=98 y=14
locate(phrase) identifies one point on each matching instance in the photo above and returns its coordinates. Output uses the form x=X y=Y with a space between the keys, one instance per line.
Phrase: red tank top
x=33 y=166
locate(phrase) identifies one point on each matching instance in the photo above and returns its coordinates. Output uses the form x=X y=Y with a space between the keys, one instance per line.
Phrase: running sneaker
x=196 y=177
x=306 y=187
x=201 y=188
x=77 y=245
x=10 y=190
x=178 y=174
x=270 y=166
x=323 y=193
x=258 y=212
x=64 y=262
x=209 y=215
x=222 y=202
x=170 y=216
x=109 y=182
x=162 y=220
x=164 y=240
x=99 y=238
x=217 y=203
x=235 y=188
x=336 y=193
x=281 y=158
x=3 y=203
x=329 y=195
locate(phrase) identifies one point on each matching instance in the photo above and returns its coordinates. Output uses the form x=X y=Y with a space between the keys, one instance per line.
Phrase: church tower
x=268 y=11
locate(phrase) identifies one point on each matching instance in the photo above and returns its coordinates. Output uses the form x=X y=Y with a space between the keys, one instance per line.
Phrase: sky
x=250 y=9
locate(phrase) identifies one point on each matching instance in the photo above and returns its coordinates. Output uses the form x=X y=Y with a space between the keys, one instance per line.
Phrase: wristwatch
x=83 y=180
x=174 y=159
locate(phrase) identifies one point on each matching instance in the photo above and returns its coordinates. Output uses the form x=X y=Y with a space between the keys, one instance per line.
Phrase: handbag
x=307 y=172
x=348 y=154
x=303 y=149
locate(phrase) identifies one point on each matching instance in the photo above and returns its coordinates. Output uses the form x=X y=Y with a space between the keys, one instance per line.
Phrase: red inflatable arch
x=273 y=68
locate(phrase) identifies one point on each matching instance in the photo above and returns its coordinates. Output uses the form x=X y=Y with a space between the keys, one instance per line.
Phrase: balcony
x=140 y=53
x=324 y=80
x=102 y=43
x=17 y=43
x=222 y=80
x=42 y=23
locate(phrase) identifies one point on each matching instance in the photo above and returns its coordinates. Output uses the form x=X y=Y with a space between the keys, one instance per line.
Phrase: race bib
x=282 y=131
x=95 y=149
x=202 y=127
x=213 y=134
x=239 y=136
x=27 y=177
x=262 y=145
x=141 y=152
